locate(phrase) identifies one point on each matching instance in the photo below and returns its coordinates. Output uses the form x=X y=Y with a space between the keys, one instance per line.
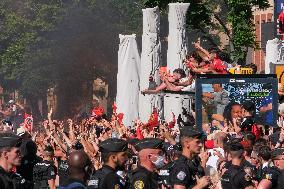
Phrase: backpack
x=72 y=185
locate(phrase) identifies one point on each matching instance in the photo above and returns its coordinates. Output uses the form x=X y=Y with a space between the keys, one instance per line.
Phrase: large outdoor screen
x=221 y=97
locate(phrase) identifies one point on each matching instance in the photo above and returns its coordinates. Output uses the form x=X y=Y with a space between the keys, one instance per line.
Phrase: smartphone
x=157 y=129
x=134 y=160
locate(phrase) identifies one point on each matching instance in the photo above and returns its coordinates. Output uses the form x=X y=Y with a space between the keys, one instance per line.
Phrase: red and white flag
x=28 y=123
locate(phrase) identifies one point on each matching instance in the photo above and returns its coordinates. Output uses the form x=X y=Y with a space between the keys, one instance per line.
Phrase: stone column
x=150 y=61
x=127 y=98
x=272 y=53
x=177 y=50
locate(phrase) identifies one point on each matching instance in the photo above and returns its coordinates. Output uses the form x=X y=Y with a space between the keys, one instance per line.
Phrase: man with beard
x=114 y=155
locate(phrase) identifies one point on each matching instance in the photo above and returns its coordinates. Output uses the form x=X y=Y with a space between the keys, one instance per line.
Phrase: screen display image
x=230 y=100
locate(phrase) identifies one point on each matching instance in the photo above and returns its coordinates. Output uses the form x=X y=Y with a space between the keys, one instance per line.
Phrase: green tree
x=233 y=18
x=24 y=46
x=62 y=43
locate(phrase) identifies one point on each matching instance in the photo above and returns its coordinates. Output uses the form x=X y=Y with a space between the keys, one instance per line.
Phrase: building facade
x=263 y=20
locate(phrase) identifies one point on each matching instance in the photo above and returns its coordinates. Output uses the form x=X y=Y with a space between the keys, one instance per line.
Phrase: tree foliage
x=231 y=17
x=62 y=43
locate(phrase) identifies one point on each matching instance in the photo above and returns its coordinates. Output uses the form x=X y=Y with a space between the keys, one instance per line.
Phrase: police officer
x=44 y=172
x=151 y=158
x=274 y=176
x=188 y=172
x=29 y=159
x=240 y=173
x=173 y=153
x=264 y=152
x=79 y=170
x=63 y=169
x=114 y=155
x=10 y=157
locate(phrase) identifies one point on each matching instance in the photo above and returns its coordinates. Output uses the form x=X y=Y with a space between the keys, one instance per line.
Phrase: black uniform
x=105 y=178
x=275 y=176
x=164 y=174
x=141 y=178
x=185 y=171
x=42 y=172
x=237 y=177
x=63 y=172
x=13 y=181
x=28 y=163
x=260 y=172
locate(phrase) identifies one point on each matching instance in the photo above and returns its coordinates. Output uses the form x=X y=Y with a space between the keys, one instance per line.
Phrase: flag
x=120 y=118
x=173 y=122
x=153 y=120
x=98 y=112
x=139 y=133
x=28 y=123
x=114 y=108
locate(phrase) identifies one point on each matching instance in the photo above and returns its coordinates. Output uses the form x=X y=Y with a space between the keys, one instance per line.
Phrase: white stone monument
x=127 y=98
x=177 y=50
x=273 y=55
x=150 y=61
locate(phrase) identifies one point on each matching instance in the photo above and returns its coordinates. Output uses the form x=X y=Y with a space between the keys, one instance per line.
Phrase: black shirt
x=141 y=178
x=275 y=176
x=27 y=164
x=281 y=180
x=63 y=172
x=238 y=176
x=184 y=172
x=42 y=172
x=13 y=181
x=105 y=178
x=247 y=124
x=164 y=174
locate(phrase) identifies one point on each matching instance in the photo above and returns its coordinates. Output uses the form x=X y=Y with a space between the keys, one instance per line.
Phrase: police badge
x=249 y=174
x=181 y=175
x=139 y=184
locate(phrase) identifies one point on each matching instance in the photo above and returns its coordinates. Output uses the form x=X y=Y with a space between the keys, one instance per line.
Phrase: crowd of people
x=99 y=151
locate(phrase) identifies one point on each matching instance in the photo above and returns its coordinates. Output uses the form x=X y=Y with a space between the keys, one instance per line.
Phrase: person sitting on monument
x=185 y=84
x=178 y=74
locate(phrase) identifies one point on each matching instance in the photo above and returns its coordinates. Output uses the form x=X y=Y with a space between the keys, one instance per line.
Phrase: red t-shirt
x=218 y=66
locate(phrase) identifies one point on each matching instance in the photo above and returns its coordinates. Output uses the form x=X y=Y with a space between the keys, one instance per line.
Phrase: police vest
x=14 y=181
x=164 y=175
x=41 y=174
x=97 y=179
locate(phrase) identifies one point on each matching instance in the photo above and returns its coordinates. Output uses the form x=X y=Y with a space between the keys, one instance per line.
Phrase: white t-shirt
x=190 y=88
x=211 y=164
